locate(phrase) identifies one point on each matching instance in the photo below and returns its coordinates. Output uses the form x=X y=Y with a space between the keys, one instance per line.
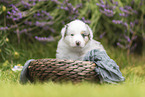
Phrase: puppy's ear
x=90 y=31
x=64 y=31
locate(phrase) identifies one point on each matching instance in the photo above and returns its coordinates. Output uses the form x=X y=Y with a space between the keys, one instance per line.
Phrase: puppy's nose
x=78 y=43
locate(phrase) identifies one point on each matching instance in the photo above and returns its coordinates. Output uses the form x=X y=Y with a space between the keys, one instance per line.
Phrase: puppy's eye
x=72 y=34
x=84 y=35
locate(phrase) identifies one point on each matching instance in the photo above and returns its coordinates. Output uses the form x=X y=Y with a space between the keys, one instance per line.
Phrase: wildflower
x=101 y=1
x=120 y=45
x=127 y=38
x=131 y=24
x=100 y=5
x=17 y=68
x=117 y=21
x=122 y=14
x=106 y=13
x=28 y=22
x=101 y=36
x=133 y=38
x=3 y=28
x=124 y=10
x=0 y=50
x=48 y=39
x=3 y=8
x=7 y=40
x=86 y=21
x=16 y=55
x=19 y=65
x=125 y=24
x=107 y=10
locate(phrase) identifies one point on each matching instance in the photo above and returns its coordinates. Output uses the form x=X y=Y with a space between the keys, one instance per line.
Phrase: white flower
x=17 y=68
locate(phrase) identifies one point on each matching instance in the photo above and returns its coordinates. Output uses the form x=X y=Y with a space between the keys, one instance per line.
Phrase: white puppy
x=76 y=41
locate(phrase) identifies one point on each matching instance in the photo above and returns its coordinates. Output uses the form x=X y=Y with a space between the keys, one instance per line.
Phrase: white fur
x=67 y=46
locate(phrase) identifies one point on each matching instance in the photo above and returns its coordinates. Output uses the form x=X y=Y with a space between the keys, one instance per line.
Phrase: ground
x=132 y=68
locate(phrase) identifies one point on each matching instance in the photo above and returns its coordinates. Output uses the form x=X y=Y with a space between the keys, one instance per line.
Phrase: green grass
x=68 y=90
x=132 y=68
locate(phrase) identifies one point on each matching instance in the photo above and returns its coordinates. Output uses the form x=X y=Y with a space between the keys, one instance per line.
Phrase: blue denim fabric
x=106 y=68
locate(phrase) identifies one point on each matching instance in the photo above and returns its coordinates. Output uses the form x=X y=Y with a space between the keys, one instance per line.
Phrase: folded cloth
x=106 y=68
x=24 y=77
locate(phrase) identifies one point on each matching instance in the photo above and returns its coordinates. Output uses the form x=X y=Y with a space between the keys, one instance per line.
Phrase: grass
x=132 y=68
x=68 y=90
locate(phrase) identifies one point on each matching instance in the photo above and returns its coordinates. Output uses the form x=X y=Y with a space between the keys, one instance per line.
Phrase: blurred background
x=31 y=28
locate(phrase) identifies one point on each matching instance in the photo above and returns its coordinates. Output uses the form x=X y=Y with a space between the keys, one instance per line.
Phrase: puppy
x=76 y=41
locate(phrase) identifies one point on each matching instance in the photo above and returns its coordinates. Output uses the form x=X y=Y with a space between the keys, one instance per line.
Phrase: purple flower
x=124 y=10
x=48 y=28
x=123 y=14
x=127 y=38
x=26 y=4
x=44 y=39
x=117 y=21
x=141 y=2
x=131 y=24
x=63 y=22
x=20 y=15
x=42 y=15
x=79 y=5
x=100 y=5
x=132 y=2
x=120 y=45
x=15 y=8
x=13 y=11
x=23 y=31
x=56 y=1
x=101 y=36
x=134 y=11
x=15 y=19
x=8 y=12
x=66 y=8
x=86 y=21
x=38 y=14
x=131 y=31
x=125 y=24
x=28 y=22
x=101 y=1
x=106 y=13
x=3 y=28
x=33 y=3
x=97 y=4
x=70 y=8
x=113 y=7
x=42 y=24
x=134 y=38
x=136 y=22
x=128 y=7
x=116 y=3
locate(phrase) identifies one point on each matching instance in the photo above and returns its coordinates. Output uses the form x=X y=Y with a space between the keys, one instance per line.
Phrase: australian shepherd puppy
x=76 y=41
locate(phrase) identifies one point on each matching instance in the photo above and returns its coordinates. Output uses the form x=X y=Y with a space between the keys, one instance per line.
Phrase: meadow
x=30 y=29
x=132 y=68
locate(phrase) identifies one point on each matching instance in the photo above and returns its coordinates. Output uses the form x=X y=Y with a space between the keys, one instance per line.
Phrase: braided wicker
x=62 y=70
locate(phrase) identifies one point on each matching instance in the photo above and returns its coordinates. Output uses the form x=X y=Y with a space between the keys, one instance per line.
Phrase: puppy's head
x=76 y=34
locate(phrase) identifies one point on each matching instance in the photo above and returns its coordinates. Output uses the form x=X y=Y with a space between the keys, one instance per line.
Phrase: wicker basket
x=62 y=70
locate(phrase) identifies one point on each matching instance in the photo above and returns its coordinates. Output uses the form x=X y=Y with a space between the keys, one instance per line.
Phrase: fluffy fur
x=76 y=41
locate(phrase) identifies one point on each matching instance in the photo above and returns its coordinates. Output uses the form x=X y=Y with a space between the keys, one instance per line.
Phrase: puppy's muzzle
x=78 y=43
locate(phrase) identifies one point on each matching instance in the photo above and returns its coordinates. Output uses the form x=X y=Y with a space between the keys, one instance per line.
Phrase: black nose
x=78 y=43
